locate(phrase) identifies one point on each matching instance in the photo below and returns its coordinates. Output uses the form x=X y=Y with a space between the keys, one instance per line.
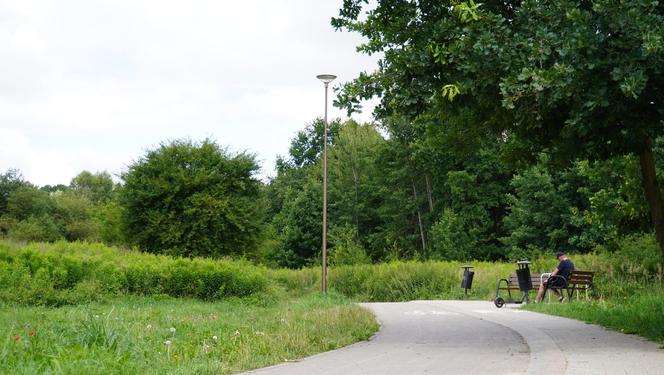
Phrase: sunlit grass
x=641 y=313
x=151 y=335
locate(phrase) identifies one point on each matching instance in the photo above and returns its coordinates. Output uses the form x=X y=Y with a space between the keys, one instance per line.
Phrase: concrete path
x=474 y=337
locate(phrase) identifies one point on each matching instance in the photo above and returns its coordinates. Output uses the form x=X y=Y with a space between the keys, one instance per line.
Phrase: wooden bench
x=512 y=284
x=578 y=281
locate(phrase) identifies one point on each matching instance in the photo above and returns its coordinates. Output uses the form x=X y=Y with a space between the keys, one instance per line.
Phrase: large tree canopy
x=192 y=199
x=576 y=79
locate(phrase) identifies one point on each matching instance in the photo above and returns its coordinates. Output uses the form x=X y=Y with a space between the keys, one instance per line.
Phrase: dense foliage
x=505 y=130
x=84 y=210
x=192 y=199
x=69 y=273
x=572 y=79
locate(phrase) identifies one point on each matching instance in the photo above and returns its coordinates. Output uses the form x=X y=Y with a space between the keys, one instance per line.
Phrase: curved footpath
x=474 y=337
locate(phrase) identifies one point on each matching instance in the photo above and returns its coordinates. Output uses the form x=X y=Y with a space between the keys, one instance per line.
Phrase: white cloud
x=92 y=84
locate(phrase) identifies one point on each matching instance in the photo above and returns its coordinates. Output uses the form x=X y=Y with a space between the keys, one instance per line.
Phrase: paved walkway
x=474 y=337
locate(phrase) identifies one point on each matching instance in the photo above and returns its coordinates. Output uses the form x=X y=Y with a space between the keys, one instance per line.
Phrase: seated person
x=564 y=269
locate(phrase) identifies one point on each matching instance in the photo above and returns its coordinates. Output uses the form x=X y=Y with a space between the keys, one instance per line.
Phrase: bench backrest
x=534 y=278
x=575 y=278
x=581 y=278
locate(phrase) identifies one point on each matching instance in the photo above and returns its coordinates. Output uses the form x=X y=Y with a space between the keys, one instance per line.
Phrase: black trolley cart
x=525 y=284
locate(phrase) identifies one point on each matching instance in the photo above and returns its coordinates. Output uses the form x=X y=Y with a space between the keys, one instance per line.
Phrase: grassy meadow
x=136 y=334
x=641 y=313
x=88 y=308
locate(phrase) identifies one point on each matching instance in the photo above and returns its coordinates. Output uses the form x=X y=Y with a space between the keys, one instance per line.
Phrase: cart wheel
x=499 y=302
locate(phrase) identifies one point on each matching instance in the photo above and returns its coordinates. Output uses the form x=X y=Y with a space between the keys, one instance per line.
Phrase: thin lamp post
x=326 y=79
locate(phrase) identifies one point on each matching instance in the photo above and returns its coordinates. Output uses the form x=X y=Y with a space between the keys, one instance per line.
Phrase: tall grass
x=640 y=313
x=62 y=273
x=70 y=273
x=635 y=266
x=136 y=334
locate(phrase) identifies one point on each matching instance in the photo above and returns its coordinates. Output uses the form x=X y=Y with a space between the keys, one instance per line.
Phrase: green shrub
x=69 y=273
x=40 y=228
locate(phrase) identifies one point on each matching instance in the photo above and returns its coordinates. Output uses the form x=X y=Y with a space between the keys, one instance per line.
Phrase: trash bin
x=523 y=274
x=467 y=279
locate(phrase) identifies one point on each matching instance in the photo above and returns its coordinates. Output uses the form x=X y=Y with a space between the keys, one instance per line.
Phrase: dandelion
x=173 y=330
x=149 y=326
x=168 y=348
x=215 y=338
x=237 y=333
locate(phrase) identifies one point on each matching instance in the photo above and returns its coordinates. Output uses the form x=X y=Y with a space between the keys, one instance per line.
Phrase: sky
x=93 y=84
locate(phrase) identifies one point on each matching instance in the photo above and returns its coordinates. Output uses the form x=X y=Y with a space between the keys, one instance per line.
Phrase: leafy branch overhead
x=577 y=79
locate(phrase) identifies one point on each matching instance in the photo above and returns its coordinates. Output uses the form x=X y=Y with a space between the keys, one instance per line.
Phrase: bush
x=41 y=228
x=69 y=273
x=346 y=250
x=192 y=199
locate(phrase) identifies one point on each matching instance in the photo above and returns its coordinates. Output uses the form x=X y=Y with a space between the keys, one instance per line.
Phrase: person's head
x=560 y=255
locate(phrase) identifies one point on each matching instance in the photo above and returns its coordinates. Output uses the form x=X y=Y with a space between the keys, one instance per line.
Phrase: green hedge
x=69 y=273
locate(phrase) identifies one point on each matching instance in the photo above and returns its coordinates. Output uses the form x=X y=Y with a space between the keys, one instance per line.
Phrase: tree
x=538 y=215
x=295 y=197
x=29 y=201
x=73 y=213
x=10 y=181
x=353 y=175
x=471 y=222
x=298 y=222
x=192 y=199
x=576 y=79
x=29 y=215
x=307 y=146
x=98 y=187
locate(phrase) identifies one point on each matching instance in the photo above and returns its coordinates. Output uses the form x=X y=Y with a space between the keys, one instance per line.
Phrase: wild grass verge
x=641 y=313
x=73 y=272
x=635 y=266
x=137 y=334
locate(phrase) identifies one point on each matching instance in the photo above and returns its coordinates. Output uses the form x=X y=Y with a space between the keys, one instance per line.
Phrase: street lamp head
x=326 y=78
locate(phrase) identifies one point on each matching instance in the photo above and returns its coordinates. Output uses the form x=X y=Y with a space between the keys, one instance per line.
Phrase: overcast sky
x=93 y=84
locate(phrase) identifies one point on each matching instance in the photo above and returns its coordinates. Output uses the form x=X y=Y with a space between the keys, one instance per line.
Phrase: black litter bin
x=523 y=274
x=467 y=279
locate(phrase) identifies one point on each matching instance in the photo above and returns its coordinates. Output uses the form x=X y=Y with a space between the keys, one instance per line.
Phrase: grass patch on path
x=166 y=335
x=641 y=314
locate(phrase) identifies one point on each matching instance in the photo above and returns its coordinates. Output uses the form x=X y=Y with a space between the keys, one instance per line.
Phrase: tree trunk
x=419 y=220
x=428 y=181
x=652 y=192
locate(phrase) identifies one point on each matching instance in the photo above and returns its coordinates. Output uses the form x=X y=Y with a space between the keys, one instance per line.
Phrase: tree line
x=505 y=129
x=394 y=193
